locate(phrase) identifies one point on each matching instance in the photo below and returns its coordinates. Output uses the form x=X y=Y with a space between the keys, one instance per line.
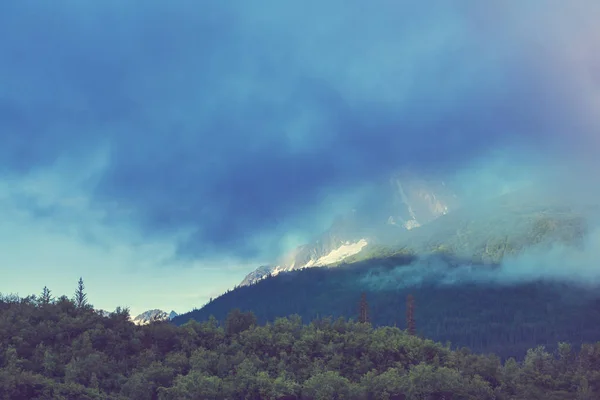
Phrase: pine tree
x=46 y=297
x=80 y=295
x=363 y=310
x=410 y=315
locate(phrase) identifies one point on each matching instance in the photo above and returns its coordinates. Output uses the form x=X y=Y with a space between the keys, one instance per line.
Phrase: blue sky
x=163 y=150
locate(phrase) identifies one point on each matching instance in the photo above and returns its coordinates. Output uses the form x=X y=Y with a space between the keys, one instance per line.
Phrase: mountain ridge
x=153 y=315
x=145 y=317
x=405 y=203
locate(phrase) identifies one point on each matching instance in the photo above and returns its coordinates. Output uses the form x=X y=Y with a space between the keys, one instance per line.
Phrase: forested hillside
x=63 y=349
x=506 y=319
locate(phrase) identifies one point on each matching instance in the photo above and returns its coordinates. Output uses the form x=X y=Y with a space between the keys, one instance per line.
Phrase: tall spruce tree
x=46 y=297
x=363 y=309
x=410 y=315
x=80 y=295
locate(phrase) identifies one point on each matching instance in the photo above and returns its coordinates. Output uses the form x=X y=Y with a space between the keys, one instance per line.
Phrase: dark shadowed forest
x=64 y=349
x=506 y=320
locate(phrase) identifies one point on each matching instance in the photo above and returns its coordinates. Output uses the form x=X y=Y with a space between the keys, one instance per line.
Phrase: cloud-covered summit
x=235 y=127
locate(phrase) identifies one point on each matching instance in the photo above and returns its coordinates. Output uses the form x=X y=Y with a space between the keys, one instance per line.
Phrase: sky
x=163 y=150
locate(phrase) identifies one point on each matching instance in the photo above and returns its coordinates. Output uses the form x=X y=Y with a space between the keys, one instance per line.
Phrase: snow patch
x=337 y=255
x=153 y=315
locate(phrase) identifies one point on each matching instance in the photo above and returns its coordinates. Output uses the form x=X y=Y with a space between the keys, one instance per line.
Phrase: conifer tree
x=363 y=310
x=46 y=297
x=410 y=315
x=80 y=295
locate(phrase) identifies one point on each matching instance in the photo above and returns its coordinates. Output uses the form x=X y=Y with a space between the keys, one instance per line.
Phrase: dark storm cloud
x=229 y=120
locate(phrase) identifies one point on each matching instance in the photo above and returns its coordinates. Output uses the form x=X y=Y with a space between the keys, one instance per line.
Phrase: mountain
x=256 y=275
x=484 y=316
x=146 y=317
x=503 y=227
x=499 y=276
x=404 y=203
x=153 y=315
x=416 y=201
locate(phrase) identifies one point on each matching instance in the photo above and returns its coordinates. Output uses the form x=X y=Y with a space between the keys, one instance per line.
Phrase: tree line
x=504 y=319
x=61 y=348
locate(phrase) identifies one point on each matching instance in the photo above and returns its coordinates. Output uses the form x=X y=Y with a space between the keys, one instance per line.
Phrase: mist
x=546 y=210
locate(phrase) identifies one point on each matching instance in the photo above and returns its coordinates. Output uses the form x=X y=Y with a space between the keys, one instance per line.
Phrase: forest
x=61 y=348
x=506 y=320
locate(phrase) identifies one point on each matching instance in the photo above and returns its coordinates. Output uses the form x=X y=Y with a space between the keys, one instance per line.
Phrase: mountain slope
x=405 y=203
x=461 y=270
x=153 y=315
x=485 y=316
x=504 y=227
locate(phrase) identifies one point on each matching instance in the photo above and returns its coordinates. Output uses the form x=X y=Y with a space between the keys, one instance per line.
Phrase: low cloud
x=557 y=263
x=550 y=230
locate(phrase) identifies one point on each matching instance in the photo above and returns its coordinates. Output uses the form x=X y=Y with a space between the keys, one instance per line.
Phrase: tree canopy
x=55 y=349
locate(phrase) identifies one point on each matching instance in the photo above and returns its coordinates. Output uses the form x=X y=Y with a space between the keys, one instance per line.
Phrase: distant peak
x=152 y=316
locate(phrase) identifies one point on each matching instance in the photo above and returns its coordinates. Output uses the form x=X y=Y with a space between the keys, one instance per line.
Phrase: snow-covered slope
x=345 y=250
x=258 y=274
x=146 y=317
x=338 y=254
x=153 y=315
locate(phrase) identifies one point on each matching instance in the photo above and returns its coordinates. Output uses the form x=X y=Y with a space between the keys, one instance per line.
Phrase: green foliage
x=46 y=297
x=238 y=321
x=57 y=350
x=80 y=295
